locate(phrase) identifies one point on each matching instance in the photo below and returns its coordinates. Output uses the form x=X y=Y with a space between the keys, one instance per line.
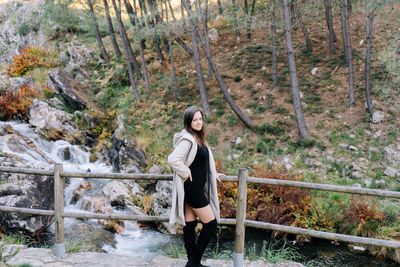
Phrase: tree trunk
x=367 y=69
x=172 y=10
x=298 y=109
x=235 y=23
x=195 y=27
x=303 y=28
x=125 y=45
x=173 y=72
x=349 y=55
x=205 y=23
x=197 y=60
x=152 y=21
x=134 y=20
x=183 y=18
x=246 y=10
x=220 y=10
x=98 y=36
x=329 y=22
x=274 y=46
x=343 y=26
x=111 y=30
x=130 y=56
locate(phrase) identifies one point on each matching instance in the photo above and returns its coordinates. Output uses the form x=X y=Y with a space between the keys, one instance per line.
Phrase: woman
x=194 y=185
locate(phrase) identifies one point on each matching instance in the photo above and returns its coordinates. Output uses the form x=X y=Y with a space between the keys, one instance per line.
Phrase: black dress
x=194 y=190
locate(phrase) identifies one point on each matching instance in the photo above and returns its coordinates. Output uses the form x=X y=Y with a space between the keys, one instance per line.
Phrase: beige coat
x=185 y=149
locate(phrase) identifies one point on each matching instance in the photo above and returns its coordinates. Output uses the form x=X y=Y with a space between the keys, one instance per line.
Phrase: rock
x=69 y=89
x=352 y=136
x=368 y=182
x=56 y=103
x=236 y=156
x=18 y=82
x=27 y=191
x=93 y=203
x=238 y=140
x=314 y=71
x=131 y=153
x=77 y=54
x=162 y=198
x=389 y=151
x=398 y=147
x=155 y=169
x=117 y=194
x=213 y=35
x=51 y=123
x=229 y=157
x=330 y=158
x=356 y=174
x=81 y=190
x=344 y=145
x=378 y=134
x=378 y=117
x=373 y=149
x=76 y=72
x=353 y=148
x=391 y=172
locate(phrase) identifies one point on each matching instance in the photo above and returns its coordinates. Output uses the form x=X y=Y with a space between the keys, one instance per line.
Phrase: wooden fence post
x=238 y=256
x=59 y=209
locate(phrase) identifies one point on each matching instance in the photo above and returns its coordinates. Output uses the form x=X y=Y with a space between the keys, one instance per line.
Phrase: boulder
x=68 y=88
x=18 y=82
x=391 y=172
x=378 y=117
x=27 y=191
x=213 y=35
x=76 y=54
x=117 y=194
x=51 y=123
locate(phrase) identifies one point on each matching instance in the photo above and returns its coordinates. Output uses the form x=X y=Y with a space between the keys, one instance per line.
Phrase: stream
x=150 y=243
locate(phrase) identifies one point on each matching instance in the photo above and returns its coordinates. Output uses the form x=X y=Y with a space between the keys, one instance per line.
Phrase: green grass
x=276 y=253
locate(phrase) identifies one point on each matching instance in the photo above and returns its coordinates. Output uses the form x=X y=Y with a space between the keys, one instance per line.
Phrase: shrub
x=30 y=58
x=270 y=129
x=361 y=217
x=15 y=103
x=237 y=78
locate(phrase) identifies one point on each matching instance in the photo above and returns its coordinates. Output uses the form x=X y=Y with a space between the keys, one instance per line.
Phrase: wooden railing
x=240 y=221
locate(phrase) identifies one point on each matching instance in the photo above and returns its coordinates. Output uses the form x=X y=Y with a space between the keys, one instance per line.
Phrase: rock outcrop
x=27 y=191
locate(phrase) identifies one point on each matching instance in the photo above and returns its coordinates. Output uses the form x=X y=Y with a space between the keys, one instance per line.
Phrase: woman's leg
x=209 y=222
x=189 y=232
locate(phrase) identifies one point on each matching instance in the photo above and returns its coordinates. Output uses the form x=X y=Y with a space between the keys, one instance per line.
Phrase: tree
x=111 y=30
x=133 y=19
x=126 y=46
x=194 y=26
x=303 y=28
x=274 y=46
x=344 y=15
x=298 y=109
x=154 y=20
x=98 y=36
x=329 y=22
x=197 y=62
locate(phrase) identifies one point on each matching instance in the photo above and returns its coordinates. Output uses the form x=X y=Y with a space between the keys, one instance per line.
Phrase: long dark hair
x=188 y=115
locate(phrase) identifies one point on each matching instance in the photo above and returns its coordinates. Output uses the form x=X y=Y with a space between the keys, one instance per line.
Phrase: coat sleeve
x=177 y=158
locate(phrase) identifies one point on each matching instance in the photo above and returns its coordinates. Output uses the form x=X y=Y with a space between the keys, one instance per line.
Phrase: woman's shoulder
x=183 y=135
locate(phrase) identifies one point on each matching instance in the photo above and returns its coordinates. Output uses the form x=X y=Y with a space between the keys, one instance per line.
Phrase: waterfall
x=44 y=153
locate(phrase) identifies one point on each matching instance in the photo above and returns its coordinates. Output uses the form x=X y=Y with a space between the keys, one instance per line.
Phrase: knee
x=190 y=225
x=211 y=226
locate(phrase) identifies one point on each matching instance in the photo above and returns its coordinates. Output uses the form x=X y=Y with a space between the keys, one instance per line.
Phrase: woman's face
x=197 y=122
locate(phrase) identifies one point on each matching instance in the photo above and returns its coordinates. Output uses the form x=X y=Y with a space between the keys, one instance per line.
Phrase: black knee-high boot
x=205 y=236
x=189 y=237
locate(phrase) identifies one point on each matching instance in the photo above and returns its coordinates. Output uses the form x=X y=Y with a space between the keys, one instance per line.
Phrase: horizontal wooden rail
x=27 y=211
x=91 y=215
x=324 y=235
x=132 y=176
x=326 y=187
x=26 y=171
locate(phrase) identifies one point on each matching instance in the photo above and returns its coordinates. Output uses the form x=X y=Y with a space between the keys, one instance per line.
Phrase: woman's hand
x=219 y=175
x=189 y=177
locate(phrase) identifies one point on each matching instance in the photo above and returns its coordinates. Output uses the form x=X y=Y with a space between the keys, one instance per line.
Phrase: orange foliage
x=15 y=103
x=30 y=58
x=362 y=215
x=273 y=204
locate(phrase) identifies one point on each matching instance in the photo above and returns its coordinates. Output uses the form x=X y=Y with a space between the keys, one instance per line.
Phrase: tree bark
x=349 y=54
x=329 y=22
x=172 y=10
x=235 y=23
x=111 y=30
x=298 y=109
x=367 y=69
x=173 y=72
x=274 y=46
x=125 y=45
x=130 y=56
x=343 y=26
x=194 y=26
x=134 y=20
x=303 y=28
x=98 y=36
x=197 y=61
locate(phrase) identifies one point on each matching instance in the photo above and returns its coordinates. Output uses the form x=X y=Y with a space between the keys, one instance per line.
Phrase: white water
x=134 y=241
